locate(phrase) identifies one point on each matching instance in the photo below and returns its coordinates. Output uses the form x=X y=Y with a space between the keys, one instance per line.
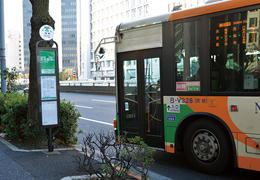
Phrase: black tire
x=207 y=146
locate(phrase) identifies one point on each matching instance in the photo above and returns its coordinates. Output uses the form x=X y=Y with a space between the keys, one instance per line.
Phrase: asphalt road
x=97 y=114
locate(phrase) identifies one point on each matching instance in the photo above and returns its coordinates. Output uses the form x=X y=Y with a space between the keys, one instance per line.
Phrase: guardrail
x=87 y=83
x=90 y=87
x=95 y=87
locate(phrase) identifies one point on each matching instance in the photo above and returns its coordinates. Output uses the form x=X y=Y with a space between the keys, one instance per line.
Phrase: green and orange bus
x=190 y=81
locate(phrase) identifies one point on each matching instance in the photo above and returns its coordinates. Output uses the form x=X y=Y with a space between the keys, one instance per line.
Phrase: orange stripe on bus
x=232 y=4
x=248 y=163
x=169 y=149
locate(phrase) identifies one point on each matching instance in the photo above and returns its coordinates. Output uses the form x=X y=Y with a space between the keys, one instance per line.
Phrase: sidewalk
x=40 y=165
x=36 y=165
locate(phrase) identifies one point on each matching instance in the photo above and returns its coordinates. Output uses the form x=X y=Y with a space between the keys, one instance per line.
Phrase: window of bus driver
x=235 y=52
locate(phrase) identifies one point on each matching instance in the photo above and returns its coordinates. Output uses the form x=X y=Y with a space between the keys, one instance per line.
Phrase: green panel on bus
x=173 y=119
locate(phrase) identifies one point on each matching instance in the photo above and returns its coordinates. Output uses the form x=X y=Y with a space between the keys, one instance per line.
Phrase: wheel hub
x=205 y=145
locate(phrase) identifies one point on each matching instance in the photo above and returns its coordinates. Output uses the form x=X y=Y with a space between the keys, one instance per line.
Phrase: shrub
x=68 y=123
x=14 y=116
x=109 y=159
x=2 y=109
x=11 y=76
x=13 y=113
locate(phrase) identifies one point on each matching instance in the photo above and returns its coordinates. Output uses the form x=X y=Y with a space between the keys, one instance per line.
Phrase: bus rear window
x=235 y=52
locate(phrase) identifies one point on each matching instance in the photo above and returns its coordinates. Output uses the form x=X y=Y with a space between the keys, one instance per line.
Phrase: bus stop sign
x=48 y=88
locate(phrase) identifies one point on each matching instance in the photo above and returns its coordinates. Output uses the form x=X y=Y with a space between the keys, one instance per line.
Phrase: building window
x=146 y=9
x=140 y=9
x=128 y=14
x=108 y=64
x=253 y=22
x=133 y=13
x=252 y=37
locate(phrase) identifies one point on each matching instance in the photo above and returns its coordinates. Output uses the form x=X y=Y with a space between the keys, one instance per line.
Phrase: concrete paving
x=9 y=169
x=41 y=165
x=37 y=165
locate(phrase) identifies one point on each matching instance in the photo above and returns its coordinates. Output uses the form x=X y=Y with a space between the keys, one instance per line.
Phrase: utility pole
x=2 y=47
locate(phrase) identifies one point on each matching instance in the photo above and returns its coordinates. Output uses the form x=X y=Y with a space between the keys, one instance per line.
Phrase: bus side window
x=187 y=57
x=235 y=47
x=215 y=76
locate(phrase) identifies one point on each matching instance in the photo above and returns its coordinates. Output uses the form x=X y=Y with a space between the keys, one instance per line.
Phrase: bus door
x=140 y=103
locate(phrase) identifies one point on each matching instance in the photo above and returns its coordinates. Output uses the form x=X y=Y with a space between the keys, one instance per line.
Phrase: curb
x=75 y=177
x=16 y=149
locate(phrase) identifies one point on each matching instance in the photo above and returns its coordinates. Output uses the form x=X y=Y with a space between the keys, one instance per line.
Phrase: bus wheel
x=206 y=147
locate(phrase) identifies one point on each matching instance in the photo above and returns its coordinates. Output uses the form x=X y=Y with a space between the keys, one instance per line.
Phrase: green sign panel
x=47 y=62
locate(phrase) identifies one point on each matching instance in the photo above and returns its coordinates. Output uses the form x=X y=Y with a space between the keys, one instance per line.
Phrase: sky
x=14 y=17
x=13 y=14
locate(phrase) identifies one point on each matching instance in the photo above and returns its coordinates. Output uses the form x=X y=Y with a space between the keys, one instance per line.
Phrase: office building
x=105 y=16
x=70 y=36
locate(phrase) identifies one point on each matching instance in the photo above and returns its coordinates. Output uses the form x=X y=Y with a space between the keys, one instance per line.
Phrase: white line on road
x=86 y=107
x=92 y=120
x=100 y=100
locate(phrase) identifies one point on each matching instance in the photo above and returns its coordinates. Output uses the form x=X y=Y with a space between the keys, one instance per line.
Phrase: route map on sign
x=48 y=87
x=49 y=113
x=47 y=62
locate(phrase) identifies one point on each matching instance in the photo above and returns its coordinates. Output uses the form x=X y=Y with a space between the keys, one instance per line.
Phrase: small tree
x=109 y=159
x=66 y=75
x=11 y=76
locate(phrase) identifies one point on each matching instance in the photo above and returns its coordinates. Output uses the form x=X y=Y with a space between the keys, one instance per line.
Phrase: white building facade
x=185 y=4
x=84 y=39
x=105 y=15
x=14 y=35
x=14 y=50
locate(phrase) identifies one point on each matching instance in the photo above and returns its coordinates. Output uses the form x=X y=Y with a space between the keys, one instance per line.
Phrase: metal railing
x=79 y=83
x=87 y=83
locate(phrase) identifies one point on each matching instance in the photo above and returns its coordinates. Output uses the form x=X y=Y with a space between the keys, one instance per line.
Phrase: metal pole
x=2 y=47
x=50 y=140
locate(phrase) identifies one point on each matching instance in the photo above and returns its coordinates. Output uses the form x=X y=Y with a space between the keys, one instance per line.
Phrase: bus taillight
x=115 y=124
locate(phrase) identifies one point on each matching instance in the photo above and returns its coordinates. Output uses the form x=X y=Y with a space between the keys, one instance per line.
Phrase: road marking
x=86 y=107
x=100 y=100
x=100 y=122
